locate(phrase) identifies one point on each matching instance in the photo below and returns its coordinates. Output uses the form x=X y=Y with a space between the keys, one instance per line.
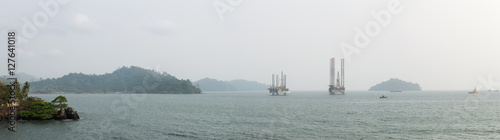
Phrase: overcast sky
x=440 y=44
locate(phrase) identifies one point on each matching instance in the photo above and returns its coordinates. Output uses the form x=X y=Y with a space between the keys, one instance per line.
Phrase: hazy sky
x=436 y=43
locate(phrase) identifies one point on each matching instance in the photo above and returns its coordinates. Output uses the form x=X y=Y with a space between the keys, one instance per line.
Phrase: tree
x=4 y=93
x=25 y=114
x=26 y=89
x=61 y=100
x=17 y=90
x=26 y=103
x=39 y=111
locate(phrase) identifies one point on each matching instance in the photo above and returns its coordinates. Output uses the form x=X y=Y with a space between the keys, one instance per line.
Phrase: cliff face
x=396 y=84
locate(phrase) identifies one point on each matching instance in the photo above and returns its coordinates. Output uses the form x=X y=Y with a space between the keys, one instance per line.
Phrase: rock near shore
x=67 y=113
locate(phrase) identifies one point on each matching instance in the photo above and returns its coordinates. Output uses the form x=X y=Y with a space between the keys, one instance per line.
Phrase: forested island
x=395 y=84
x=208 y=84
x=131 y=79
x=32 y=108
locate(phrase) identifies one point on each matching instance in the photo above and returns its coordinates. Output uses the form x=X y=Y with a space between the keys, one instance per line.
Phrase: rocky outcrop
x=71 y=114
x=67 y=113
x=60 y=115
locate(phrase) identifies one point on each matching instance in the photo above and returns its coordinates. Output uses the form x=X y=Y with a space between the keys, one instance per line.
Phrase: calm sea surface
x=257 y=115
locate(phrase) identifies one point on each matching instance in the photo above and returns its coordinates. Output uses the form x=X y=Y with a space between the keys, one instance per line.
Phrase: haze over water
x=257 y=115
x=442 y=45
x=448 y=47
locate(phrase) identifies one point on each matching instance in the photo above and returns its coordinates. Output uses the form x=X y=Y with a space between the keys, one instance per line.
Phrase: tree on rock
x=61 y=100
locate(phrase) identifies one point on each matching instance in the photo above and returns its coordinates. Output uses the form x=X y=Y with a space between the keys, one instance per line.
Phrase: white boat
x=474 y=91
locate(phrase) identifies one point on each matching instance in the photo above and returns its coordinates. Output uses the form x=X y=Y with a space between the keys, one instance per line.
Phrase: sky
x=440 y=44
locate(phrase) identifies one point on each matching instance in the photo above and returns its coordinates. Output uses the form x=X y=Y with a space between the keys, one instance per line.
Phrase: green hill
x=208 y=84
x=396 y=84
x=125 y=79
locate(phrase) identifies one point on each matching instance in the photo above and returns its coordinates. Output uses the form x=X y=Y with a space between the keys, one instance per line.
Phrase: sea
x=258 y=115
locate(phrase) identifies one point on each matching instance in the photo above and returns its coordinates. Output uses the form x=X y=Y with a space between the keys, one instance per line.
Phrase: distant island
x=208 y=84
x=395 y=84
x=131 y=79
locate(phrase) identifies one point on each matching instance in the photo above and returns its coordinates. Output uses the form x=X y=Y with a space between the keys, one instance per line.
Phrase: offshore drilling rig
x=277 y=88
x=339 y=88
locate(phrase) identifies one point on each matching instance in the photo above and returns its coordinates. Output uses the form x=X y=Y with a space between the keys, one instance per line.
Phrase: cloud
x=24 y=53
x=55 y=52
x=83 y=23
x=163 y=27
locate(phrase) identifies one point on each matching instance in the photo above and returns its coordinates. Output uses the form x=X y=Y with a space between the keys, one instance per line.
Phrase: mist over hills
x=208 y=84
x=21 y=77
x=132 y=79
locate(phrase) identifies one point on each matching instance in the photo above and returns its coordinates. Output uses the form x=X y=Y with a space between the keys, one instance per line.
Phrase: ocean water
x=257 y=115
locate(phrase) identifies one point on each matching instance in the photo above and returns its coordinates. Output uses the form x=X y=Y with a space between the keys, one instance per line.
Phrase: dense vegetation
x=38 y=111
x=208 y=84
x=29 y=108
x=34 y=108
x=125 y=79
x=394 y=84
x=20 y=93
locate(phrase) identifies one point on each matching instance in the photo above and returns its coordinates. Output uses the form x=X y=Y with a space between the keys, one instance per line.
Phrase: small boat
x=474 y=91
x=383 y=96
x=493 y=90
x=399 y=90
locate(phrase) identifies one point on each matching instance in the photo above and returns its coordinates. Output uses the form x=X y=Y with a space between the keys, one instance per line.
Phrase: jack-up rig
x=279 y=88
x=339 y=88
